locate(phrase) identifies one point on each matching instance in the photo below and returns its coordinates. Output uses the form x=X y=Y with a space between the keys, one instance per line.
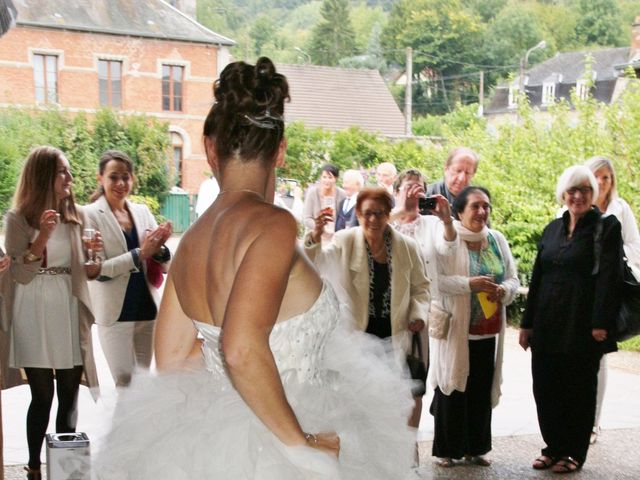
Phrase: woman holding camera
x=475 y=287
x=51 y=318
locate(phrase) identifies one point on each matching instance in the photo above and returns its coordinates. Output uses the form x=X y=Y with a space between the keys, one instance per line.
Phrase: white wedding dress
x=196 y=426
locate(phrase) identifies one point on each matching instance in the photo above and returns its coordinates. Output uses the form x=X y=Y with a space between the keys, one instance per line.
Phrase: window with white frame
x=513 y=96
x=45 y=76
x=582 y=89
x=548 y=93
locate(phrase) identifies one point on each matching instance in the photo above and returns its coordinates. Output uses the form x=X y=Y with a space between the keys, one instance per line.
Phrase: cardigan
x=345 y=263
x=19 y=234
x=449 y=357
x=566 y=301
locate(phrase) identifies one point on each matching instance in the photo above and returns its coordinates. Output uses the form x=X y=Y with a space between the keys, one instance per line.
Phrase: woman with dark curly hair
x=276 y=386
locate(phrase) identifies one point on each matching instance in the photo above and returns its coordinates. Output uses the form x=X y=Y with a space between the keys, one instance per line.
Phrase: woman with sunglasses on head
x=571 y=309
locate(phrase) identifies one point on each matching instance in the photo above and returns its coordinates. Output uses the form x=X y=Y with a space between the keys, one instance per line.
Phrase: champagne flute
x=88 y=235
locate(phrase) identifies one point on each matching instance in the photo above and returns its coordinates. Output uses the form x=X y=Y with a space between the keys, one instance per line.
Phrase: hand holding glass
x=88 y=235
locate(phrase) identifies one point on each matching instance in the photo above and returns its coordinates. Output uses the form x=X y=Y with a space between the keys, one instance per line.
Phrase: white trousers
x=602 y=387
x=127 y=346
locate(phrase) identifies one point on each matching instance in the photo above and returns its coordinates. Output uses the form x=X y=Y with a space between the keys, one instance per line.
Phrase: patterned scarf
x=386 y=299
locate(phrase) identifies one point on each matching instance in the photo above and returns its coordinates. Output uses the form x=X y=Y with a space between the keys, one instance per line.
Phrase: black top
x=440 y=188
x=137 y=304
x=566 y=301
x=380 y=323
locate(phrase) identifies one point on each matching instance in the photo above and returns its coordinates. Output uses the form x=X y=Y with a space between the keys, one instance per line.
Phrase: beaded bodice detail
x=297 y=343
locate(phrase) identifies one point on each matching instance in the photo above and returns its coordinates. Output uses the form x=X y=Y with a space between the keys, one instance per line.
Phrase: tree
x=263 y=32
x=599 y=23
x=334 y=37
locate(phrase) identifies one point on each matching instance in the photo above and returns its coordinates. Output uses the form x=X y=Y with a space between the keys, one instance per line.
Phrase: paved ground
x=516 y=438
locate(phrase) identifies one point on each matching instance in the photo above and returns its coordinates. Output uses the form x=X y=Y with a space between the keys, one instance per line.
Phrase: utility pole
x=408 y=102
x=481 y=95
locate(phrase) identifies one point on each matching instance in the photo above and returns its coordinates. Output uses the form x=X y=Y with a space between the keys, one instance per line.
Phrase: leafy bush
x=83 y=140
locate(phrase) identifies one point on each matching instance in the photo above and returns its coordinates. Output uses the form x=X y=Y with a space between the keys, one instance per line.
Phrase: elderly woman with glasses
x=571 y=308
x=376 y=271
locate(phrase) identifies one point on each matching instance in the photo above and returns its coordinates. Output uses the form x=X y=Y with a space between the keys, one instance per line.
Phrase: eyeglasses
x=375 y=213
x=583 y=191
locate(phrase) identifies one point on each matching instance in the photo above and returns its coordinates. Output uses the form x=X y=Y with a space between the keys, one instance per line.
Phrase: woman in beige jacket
x=378 y=273
x=51 y=313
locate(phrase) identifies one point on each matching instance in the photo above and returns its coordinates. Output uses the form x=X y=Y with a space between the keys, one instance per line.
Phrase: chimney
x=634 y=52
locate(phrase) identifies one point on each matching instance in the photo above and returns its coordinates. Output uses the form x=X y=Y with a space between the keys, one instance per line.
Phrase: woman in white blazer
x=609 y=203
x=125 y=297
x=475 y=286
x=377 y=272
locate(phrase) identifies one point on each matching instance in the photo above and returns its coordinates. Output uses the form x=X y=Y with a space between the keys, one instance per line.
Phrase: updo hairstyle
x=247 y=119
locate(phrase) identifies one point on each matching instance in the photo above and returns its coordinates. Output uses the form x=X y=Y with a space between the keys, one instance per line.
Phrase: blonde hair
x=595 y=164
x=35 y=192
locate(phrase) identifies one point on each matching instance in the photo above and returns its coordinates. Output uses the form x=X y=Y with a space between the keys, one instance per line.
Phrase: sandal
x=566 y=465
x=479 y=460
x=543 y=462
x=444 y=462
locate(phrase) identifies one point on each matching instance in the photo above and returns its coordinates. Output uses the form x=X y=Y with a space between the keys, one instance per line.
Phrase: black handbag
x=418 y=371
x=627 y=323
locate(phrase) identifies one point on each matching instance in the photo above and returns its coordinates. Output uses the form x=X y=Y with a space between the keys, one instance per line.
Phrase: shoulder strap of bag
x=597 y=247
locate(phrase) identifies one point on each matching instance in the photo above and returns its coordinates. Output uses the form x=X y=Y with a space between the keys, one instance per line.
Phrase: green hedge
x=83 y=140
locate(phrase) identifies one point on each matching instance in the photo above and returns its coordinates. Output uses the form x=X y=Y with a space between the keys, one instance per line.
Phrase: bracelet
x=311 y=439
x=30 y=257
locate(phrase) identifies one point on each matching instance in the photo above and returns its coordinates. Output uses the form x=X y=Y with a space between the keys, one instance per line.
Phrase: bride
x=259 y=377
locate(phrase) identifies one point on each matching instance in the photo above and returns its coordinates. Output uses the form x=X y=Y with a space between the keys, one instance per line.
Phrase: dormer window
x=513 y=96
x=582 y=89
x=548 y=93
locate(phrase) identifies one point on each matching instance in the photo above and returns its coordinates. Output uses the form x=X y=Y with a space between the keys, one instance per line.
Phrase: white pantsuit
x=125 y=346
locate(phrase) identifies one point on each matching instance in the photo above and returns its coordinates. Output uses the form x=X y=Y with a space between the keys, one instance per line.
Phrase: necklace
x=242 y=190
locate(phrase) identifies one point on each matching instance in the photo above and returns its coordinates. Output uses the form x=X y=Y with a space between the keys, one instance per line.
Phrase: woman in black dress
x=569 y=316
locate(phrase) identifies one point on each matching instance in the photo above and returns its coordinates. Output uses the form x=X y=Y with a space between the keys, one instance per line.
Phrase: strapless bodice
x=297 y=343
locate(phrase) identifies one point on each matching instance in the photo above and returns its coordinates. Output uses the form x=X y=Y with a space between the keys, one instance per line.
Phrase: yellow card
x=488 y=307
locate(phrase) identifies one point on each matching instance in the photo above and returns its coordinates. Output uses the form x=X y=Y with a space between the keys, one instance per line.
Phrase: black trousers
x=565 y=389
x=462 y=420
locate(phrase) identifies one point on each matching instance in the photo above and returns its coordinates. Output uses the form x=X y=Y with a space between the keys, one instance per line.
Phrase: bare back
x=210 y=253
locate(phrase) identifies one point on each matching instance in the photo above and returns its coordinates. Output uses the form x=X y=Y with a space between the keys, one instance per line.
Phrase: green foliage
x=520 y=161
x=83 y=140
x=599 y=23
x=333 y=37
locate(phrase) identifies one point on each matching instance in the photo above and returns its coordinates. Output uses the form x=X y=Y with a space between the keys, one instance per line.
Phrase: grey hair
x=574 y=176
x=598 y=162
x=353 y=175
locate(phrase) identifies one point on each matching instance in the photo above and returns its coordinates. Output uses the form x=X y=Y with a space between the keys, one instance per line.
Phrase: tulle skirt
x=195 y=425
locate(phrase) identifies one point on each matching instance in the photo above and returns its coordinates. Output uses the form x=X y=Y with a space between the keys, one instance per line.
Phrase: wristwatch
x=30 y=257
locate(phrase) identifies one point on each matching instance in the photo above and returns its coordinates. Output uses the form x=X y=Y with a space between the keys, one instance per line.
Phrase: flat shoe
x=478 y=460
x=566 y=465
x=543 y=462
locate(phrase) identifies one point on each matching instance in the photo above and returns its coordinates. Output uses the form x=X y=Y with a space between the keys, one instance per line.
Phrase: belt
x=54 y=271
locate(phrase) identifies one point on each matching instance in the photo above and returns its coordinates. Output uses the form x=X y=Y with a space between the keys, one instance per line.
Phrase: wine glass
x=88 y=234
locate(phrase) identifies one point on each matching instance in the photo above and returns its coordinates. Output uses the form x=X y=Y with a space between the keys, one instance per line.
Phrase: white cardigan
x=449 y=358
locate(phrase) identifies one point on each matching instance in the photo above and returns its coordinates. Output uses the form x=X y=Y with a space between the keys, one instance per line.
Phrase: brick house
x=136 y=56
